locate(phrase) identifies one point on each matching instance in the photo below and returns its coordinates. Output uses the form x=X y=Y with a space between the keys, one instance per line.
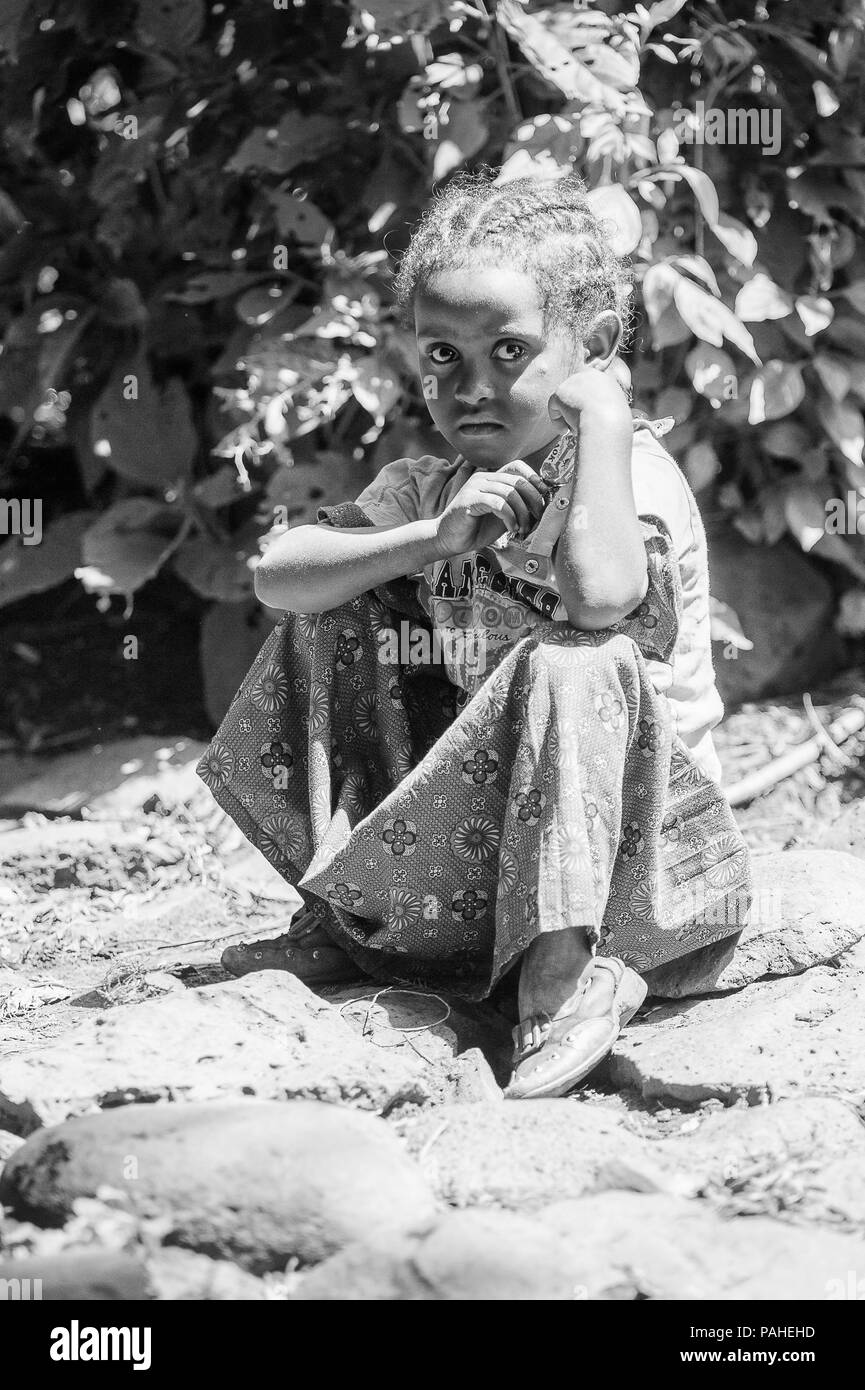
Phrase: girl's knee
x=574 y=649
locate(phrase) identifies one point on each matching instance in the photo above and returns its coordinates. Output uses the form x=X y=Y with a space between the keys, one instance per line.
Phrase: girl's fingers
x=534 y=498
x=498 y=506
x=520 y=469
x=504 y=487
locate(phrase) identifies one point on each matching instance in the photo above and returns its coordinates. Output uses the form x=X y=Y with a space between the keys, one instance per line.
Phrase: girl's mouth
x=477 y=431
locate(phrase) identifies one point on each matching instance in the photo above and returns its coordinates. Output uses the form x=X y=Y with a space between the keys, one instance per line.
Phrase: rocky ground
x=168 y=1132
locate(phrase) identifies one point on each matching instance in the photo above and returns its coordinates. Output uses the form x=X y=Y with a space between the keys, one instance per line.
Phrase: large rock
x=847 y=832
x=521 y=1155
x=469 y=1256
x=111 y=779
x=259 y=1183
x=265 y=1035
x=785 y=606
x=777 y=1038
x=629 y=1246
x=809 y=906
x=81 y=1275
x=806 y=1153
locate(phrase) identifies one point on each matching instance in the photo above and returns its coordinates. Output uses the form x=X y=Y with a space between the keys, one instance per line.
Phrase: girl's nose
x=472 y=388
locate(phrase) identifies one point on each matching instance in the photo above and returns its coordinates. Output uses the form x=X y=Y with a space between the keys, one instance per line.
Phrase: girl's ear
x=602 y=340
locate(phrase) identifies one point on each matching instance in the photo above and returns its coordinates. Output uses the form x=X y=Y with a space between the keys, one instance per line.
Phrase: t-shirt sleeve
x=391 y=499
x=660 y=491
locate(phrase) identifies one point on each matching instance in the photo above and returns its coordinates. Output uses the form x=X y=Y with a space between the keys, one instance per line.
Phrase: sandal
x=305 y=950
x=565 y=1050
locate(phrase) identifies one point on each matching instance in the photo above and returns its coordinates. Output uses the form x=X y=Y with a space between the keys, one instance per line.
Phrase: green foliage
x=197 y=205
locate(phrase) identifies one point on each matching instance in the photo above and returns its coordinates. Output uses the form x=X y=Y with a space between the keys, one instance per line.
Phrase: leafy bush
x=196 y=209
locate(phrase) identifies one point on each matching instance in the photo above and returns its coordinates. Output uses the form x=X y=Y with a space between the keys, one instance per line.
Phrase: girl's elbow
x=592 y=613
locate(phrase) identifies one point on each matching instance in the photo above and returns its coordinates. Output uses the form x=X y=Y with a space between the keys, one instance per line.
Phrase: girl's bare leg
x=557 y=977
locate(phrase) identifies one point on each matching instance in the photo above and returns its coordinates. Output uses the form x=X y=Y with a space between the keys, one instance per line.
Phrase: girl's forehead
x=485 y=299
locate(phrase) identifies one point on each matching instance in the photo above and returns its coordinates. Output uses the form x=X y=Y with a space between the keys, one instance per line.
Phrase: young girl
x=536 y=787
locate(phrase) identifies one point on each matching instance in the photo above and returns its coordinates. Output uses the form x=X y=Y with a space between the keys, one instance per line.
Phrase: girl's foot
x=305 y=950
x=557 y=977
x=553 y=1054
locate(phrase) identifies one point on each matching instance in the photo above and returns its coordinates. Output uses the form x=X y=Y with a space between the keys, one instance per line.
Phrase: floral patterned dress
x=438 y=833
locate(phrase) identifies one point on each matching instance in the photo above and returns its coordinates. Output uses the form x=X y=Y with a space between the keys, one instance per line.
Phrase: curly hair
x=544 y=226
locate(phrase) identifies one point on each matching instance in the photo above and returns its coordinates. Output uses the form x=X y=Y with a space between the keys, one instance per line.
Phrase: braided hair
x=543 y=226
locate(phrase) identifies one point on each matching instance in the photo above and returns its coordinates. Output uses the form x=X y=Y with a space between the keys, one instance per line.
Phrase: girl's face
x=487 y=366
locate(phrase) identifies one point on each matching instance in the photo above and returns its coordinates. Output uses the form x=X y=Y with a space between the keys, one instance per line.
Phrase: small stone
x=182 y=1275
x=257 y=1183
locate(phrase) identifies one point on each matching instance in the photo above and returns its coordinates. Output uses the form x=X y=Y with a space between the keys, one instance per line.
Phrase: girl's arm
x=600 y=558
x=313 y=568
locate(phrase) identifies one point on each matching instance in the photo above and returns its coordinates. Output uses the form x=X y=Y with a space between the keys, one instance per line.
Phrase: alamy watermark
x=21 y=517
x=412 y=645
x=845 y=517
x=714 y=125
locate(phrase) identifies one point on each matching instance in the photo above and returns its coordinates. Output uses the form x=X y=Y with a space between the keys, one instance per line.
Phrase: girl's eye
x=518 y=354
x=437 y=361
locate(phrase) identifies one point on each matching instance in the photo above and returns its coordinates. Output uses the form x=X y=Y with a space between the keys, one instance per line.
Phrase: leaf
x=127 y=546
x=855 y=293
x=220 y=489
x=664 y=11
x=462 y=135
x=213 y=571
x=737 y=238
x=145 y=431
x=760 y=299
x=712 y=372
x=124 y=160
x=220 y=284
x=805 y=514
x=11 y=14
x=668 y=327
x=612 y=205
x=401 y=17
x=815 y=313
x=171 y=25
x=834 y=374
x=843 y=425
x=452 y=74
x=549 y=56
x=699 y=267
x=262 y=303
x=710 y=319
x=301 y=219
x=121 y=304
x=776 y=390
x=376 y=388
x=702 y=465
x=788 y=440
x=550 y=143
x=295 y=140
x=725 y=625
x=36 y=351
x=31 y=569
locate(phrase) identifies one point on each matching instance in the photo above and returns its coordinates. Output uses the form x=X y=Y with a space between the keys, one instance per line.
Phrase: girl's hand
x=593 y=392
x=490 y=502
